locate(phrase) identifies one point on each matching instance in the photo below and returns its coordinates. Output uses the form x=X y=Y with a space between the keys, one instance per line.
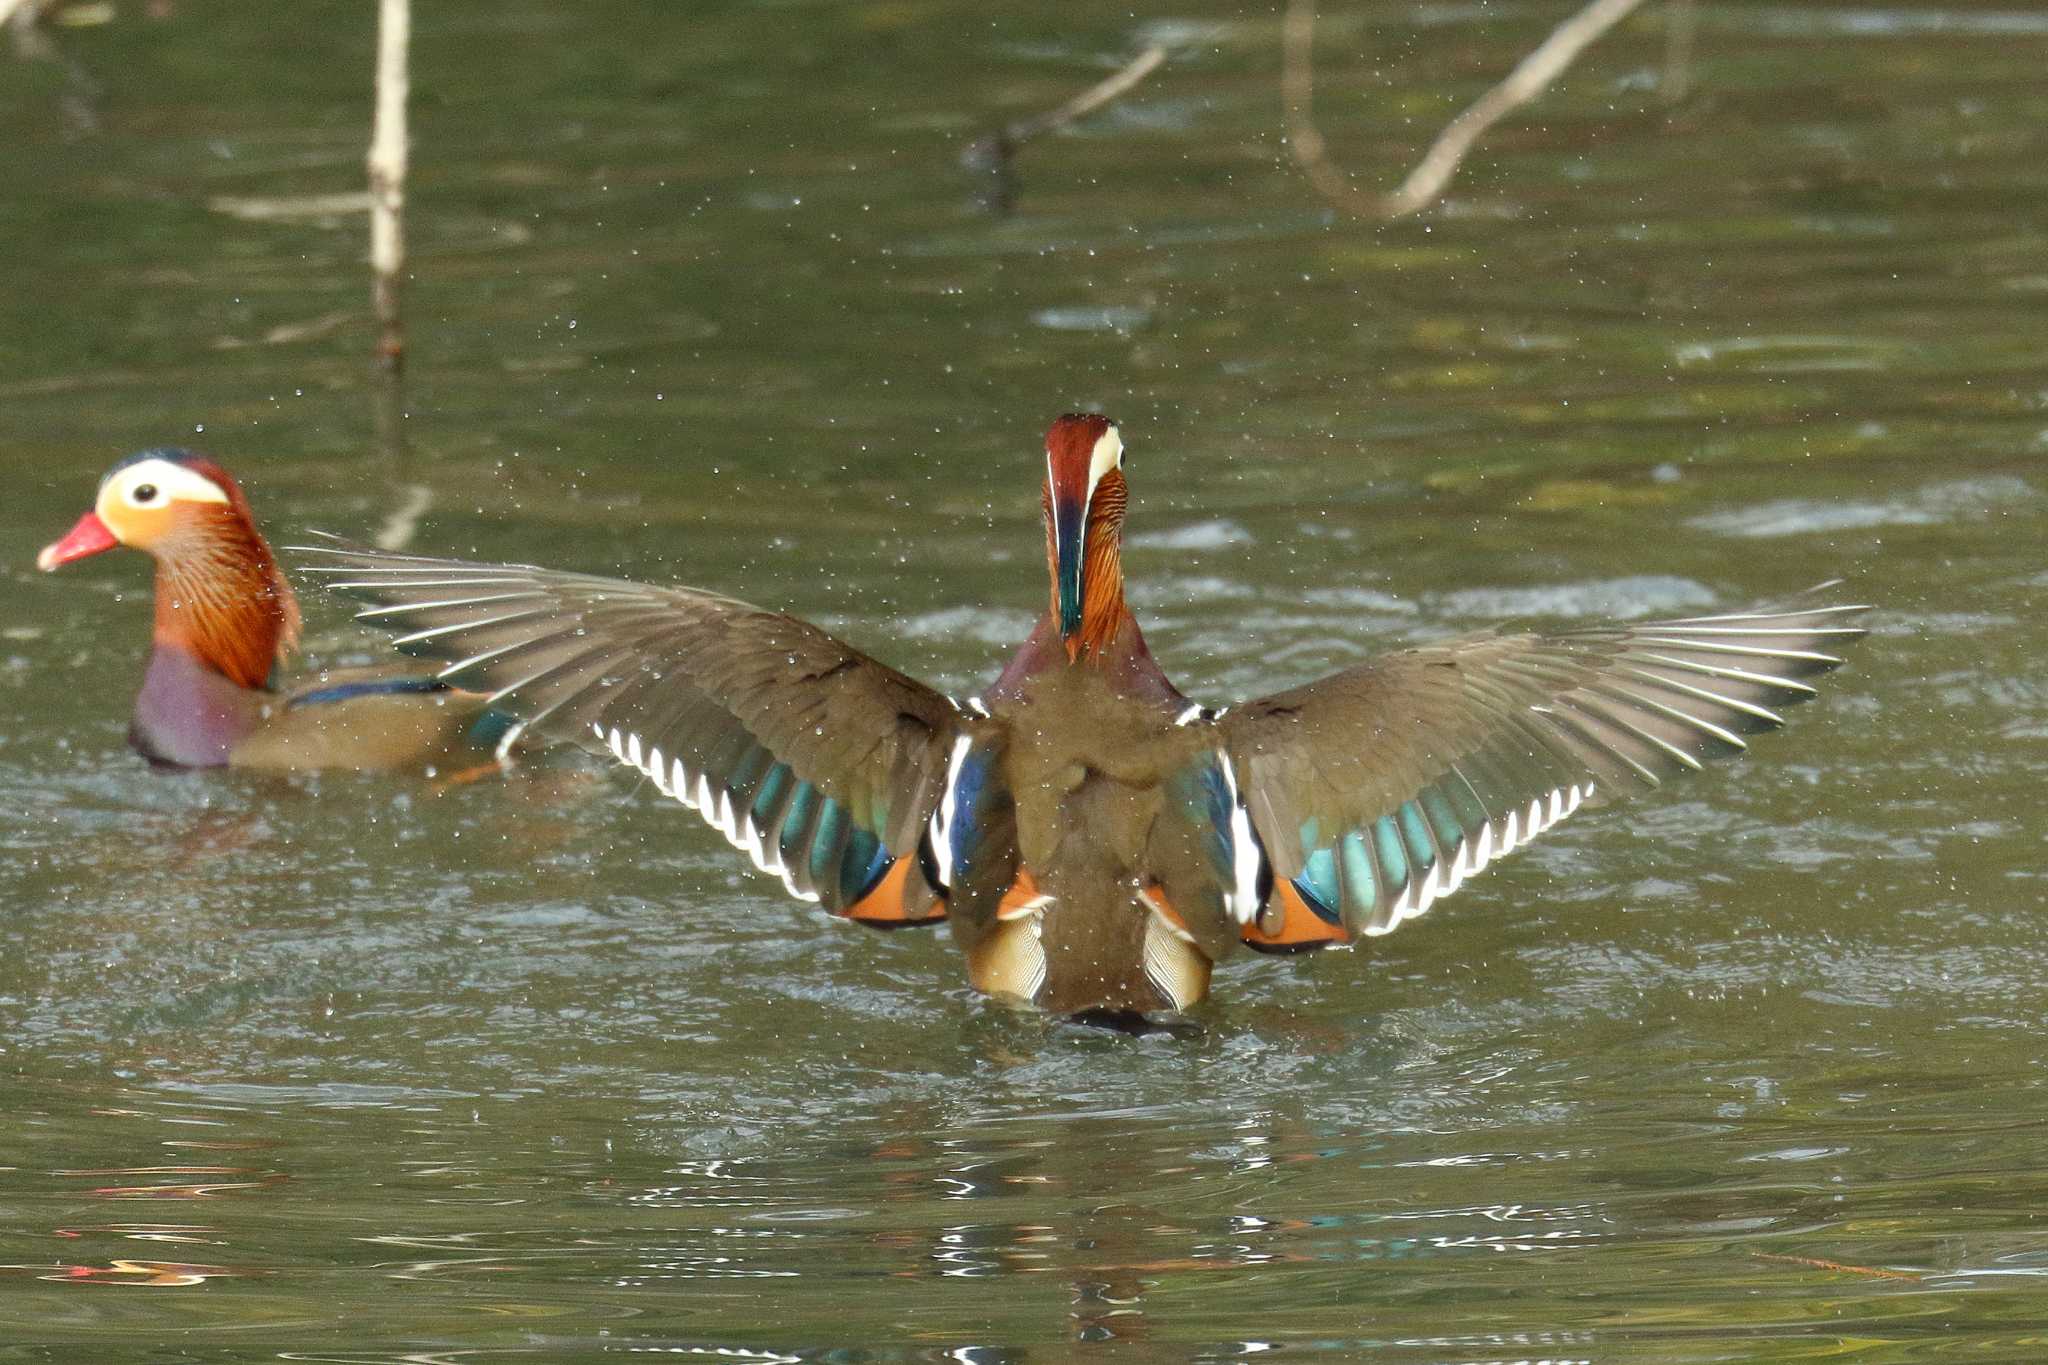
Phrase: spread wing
x=1378 y=789
x=821 y=764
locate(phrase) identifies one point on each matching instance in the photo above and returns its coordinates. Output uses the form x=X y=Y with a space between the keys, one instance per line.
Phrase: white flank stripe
x=940 y=829
x=1243 y=899
x=1189 y=716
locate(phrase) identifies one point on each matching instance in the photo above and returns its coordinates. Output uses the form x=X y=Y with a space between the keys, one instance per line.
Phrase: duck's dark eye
x=145 y=493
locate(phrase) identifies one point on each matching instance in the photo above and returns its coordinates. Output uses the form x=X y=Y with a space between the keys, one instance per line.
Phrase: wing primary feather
x=1582 y=707
x=442 y=604
x=603 y=652
x=485 y=656
x=1765 y=715
x=391 y=585
x=1600 y=738
x=482 y=623
x=1803 y=614
x=1704 y=626
x=1801 y=691
x=1617 y=691
x=1742 y=651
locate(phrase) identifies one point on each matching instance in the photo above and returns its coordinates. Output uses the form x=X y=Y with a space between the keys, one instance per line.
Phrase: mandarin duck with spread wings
x=225 y=623
x=1095 y=839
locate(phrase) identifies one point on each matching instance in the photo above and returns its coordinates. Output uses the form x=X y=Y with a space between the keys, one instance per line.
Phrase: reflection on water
x=531 y=1068
x=1104 y=1227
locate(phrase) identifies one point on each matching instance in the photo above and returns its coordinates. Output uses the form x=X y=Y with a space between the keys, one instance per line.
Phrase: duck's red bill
x=89 y=537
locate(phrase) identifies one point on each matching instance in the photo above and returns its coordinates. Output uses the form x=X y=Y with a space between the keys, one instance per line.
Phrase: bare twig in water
x=1528 y=80
x=404 y=522
x=387 y=159
x=1681 y=25
x=286 y=333
x=1815 y=1263
x=79 y=102
x=993 y=155
x=1089 y=100
x=325 y=209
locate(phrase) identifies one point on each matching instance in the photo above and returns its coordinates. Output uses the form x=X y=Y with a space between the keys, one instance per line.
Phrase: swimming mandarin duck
x=1095 y=839
x=226 y=619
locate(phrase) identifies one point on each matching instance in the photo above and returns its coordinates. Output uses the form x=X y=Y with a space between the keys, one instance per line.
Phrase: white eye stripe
x=1107 y=455
x=166 y=482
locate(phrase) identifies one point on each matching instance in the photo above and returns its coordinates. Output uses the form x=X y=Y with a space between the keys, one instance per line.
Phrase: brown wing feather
x=1487 y=740
x=699 y=691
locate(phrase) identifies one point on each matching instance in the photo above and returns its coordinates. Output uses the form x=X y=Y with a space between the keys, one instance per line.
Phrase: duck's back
x=1105 y=901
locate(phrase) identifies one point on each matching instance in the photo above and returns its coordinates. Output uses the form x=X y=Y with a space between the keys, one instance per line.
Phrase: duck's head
x=219 y=590
x=1084 y=517
x=157 y=501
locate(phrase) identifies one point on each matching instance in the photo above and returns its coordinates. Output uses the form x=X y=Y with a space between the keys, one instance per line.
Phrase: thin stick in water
x=1529 y=79
x=387 y=165
x=994 y=153
x=1681 y=24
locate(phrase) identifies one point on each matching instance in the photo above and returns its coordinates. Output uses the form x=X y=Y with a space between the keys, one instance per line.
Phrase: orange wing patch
x=888 y=906
x=1294 y=927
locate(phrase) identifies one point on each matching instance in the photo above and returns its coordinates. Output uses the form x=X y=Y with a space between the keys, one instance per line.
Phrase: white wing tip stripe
x=1497 y=838
x=696 y=793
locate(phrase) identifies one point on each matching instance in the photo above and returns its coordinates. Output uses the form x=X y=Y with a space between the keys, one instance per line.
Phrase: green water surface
x=364 y=1070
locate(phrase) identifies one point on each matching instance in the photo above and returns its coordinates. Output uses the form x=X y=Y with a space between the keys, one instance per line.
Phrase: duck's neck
x=222 y=601
x=1108 y=641
x=1122 y=660
x=1105 y=620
